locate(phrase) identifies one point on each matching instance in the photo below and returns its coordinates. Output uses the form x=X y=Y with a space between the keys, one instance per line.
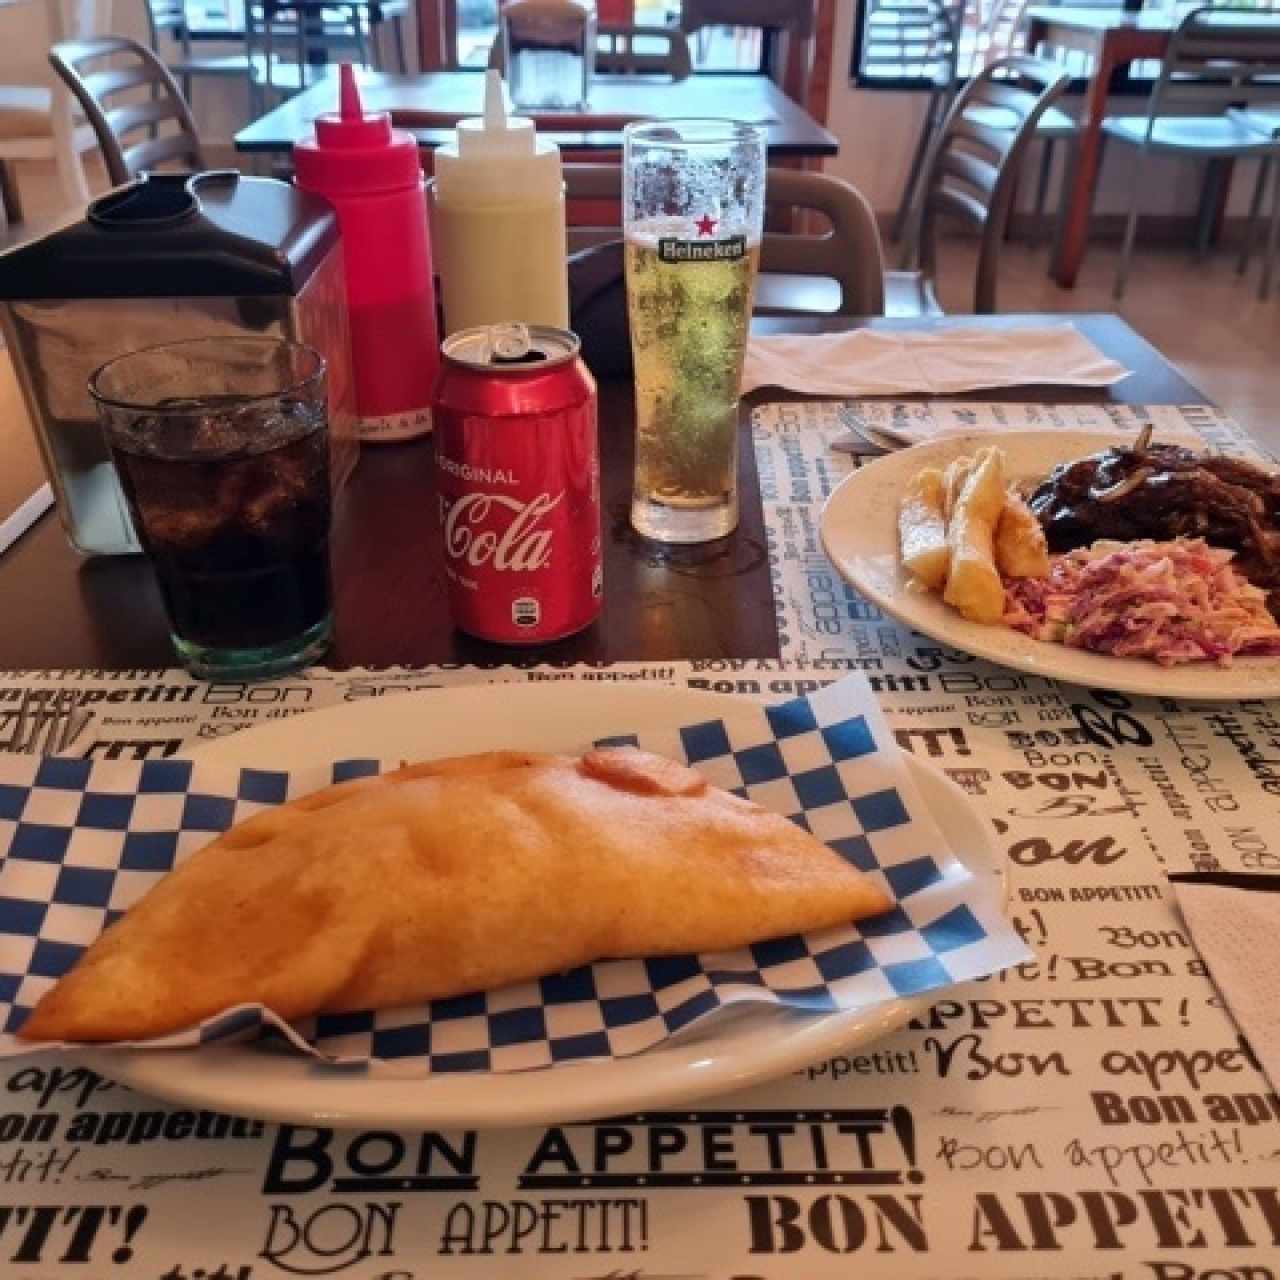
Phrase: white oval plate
x=860 y=533
x=728 y=1052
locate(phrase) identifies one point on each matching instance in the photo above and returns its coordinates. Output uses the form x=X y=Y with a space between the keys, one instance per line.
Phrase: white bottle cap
x=497 y=158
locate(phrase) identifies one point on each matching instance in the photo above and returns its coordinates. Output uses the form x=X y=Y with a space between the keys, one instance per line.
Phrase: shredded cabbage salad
x=1180 y=601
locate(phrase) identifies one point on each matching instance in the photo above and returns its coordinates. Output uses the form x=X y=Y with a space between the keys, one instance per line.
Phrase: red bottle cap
x=355 y=151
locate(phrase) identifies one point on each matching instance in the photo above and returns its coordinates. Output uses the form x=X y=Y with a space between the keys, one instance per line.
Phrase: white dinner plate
x=730 y=1051
x=860 y=533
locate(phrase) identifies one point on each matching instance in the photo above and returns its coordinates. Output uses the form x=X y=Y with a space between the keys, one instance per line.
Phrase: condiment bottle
x=498 y=221
x=372 y=176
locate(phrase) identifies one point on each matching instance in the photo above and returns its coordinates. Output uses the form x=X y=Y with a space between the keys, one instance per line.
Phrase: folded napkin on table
x=876 y=363
x=1237 y=931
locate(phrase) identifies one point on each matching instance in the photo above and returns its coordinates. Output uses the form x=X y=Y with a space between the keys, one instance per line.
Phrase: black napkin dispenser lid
x=215 y=234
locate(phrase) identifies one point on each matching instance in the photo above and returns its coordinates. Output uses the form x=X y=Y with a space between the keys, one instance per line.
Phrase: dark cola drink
x=240 y=539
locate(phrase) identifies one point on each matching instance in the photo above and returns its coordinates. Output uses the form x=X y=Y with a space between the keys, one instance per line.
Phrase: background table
x=430 y=105
x=661 y=603
x=1114 y=39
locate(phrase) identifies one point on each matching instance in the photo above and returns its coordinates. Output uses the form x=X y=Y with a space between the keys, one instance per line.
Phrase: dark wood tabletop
x=61 y=611
x=430 y=105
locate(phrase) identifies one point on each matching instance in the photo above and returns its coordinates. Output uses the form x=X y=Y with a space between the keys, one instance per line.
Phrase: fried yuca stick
x=1020 y=547
x=922 y=529
x=953 y=482
x=973 y=584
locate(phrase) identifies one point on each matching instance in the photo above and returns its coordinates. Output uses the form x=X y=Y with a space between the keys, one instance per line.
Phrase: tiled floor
x=1200 y=315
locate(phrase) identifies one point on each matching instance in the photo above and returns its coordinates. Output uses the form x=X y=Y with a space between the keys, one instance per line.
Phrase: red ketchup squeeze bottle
x=371 y=175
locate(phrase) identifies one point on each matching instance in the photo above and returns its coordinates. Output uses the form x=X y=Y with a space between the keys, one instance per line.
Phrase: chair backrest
x=1216 y=58
x=617 y=54
x=973 y=164
x=795 y=16
x=152 y=100
x=788 y=34
x=848 y=251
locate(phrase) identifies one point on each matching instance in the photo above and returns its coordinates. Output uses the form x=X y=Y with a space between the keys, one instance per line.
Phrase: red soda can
x=518 y=474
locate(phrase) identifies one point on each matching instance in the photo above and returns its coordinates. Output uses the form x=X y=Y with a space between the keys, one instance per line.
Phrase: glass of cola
x=222 y=449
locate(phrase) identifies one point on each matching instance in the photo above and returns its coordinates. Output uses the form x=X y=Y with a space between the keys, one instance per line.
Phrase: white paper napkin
x=877 y=363
x=1237 y=931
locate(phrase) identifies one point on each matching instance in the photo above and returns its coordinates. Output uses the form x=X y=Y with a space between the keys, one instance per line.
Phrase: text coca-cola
x=518 y=476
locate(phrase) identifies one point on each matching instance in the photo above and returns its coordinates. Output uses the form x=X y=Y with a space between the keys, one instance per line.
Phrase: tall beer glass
x=693 y=210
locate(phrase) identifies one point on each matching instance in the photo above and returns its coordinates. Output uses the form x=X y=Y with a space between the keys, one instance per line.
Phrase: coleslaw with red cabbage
x=1179 y=601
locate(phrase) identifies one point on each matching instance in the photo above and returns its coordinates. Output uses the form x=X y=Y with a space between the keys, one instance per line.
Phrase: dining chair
x=100 y=72
x=837 y=271
x=37 y=121
x=1002 y=34
x=1218 y=58
x=913 y=41
x=629 y=51
x=1264 y=120
x=972 y=175
x=788 y=22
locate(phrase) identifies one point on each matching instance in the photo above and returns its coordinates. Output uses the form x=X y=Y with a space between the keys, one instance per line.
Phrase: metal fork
x=47 y=724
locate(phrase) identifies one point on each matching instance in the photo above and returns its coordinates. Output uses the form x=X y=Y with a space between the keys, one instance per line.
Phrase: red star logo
x=706 y=225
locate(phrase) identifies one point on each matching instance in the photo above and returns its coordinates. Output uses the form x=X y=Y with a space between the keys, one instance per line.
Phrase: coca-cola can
x=518 y=474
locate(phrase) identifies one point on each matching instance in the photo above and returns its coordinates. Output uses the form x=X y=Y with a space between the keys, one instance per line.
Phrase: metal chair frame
x=848 y=251
x=921 y=35
x=1219 y=57
x=132 y=67
x=621 y=57
x=973 y=168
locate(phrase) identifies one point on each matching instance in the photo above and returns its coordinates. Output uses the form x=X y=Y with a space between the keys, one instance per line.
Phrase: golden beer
x=689 y=303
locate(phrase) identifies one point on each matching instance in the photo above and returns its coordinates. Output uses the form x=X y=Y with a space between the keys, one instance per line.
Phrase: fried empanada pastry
x=448 y=877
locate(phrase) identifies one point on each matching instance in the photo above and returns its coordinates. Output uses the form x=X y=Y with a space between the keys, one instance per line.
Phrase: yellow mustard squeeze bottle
x=498 y=222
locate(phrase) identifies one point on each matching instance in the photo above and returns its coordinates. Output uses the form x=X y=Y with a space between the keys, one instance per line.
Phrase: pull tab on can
x=509 y=343
x=510 y=348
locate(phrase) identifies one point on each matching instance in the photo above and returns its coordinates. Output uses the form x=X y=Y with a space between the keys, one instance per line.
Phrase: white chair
x=37 y=117
x=1218 y=58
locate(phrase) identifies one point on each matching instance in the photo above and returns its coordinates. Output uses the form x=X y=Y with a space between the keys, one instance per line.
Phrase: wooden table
x=660 y=603
x=1114 y=39
x=430 y=106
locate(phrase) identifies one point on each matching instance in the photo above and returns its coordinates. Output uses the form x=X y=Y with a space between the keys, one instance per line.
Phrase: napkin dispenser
x=168 y=257
x=549 y=50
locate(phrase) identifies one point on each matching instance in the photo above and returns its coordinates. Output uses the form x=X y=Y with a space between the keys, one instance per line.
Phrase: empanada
x=448 y=877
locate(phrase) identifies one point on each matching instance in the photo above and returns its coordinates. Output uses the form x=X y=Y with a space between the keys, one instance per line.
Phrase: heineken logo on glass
x=706 y=248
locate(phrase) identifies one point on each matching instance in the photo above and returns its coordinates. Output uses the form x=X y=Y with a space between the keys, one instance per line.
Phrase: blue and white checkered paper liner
x=83 y=840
